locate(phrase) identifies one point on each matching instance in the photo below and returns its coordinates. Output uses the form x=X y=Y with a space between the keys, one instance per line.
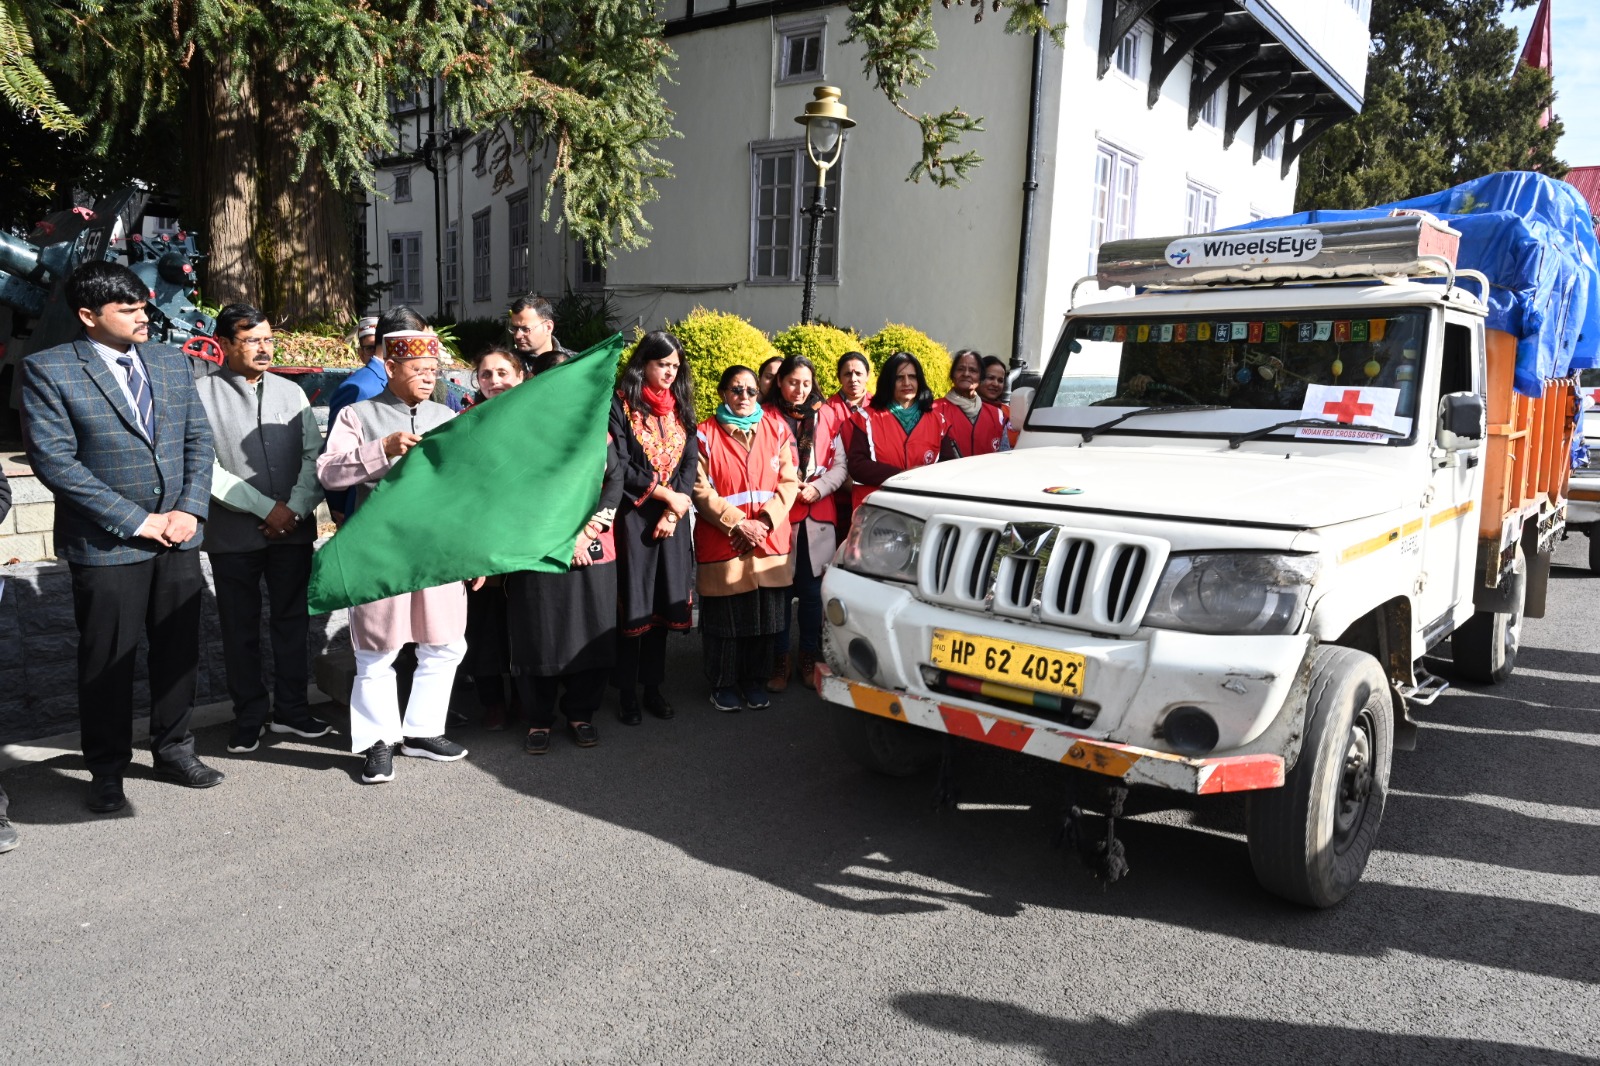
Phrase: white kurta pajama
x=435 y=619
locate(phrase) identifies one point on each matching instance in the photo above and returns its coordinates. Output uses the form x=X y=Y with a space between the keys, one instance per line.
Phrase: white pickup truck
x=1244 y=505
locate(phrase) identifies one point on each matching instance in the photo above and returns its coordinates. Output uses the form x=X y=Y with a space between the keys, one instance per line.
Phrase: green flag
x=503 y=486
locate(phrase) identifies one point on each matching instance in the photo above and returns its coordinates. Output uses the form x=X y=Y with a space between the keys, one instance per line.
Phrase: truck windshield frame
x=1363 y=366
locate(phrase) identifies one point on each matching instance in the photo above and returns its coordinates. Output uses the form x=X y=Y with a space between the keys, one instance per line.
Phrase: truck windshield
x=1351 y=366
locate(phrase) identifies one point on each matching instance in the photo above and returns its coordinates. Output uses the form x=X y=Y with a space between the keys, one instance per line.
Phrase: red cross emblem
x=1348 y=409
x=1594 y=397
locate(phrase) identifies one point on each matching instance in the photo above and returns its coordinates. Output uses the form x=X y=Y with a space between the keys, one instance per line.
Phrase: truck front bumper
x=1134 y=766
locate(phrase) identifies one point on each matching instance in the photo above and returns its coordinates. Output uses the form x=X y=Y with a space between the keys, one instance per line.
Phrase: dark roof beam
x=1267 y=128
x=1163 y=61
x=1201 y=89
x=1293 y=146
x=1241 y=107
x=1117 y=19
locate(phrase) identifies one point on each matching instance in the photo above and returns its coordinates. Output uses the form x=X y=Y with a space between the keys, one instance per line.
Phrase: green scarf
x=908 y=415
x=744 y=423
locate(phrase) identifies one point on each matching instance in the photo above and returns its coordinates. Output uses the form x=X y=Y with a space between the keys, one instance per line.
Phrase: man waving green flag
x=504 y=486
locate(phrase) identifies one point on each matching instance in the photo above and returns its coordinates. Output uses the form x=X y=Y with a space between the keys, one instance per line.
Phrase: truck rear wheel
x=1310 y=839
x=1485 y=649
x=893 y=749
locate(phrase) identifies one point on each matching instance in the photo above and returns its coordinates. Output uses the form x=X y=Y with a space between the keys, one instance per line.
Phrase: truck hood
x=1303 y=492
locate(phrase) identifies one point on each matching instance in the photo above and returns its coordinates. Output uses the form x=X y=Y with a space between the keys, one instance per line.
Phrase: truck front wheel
x=893 y=749
x=1485 y=649
x=1310 y=839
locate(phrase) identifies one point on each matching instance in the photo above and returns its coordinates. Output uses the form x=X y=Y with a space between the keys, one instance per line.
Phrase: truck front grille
x=1085 y=579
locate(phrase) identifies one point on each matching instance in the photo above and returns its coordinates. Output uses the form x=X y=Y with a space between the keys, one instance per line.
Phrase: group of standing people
x=152 y=455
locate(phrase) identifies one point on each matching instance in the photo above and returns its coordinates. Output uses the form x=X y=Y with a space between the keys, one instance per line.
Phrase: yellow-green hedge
x=714 y=341
x=934 y=357
x=823 y=345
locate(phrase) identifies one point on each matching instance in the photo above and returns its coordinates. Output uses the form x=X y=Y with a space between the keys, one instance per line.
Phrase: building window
x=1128 y=54
x=452 y=262
x=480 y=255
x=1208 y=106
x=591 y=275
x=517 y=207
x=784 y=182
x=480 y=157
x=1270 y=149
x=1200 y=209
x=405 y=267
x=1116 y=179
x=801 y=55
x=402 y=186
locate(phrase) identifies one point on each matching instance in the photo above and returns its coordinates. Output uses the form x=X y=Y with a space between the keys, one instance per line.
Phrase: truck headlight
x=1232 y=592
x=882 y=543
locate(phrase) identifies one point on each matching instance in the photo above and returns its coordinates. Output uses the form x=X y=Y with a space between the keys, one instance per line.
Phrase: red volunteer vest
x=745 y=479
x=889 y=442
x=830 y=418
x=973 y=438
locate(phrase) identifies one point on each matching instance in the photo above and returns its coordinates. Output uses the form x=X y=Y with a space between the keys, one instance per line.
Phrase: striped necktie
x=141 y=395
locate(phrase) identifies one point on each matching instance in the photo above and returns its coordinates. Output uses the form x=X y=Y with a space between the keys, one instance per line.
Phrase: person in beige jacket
x=744 y=489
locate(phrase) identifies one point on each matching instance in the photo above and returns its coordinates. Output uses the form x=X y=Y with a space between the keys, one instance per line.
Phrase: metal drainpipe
x=438 y=227
x=1030 y=186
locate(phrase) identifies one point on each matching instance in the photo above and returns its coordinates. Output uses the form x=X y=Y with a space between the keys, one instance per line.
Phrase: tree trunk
x=273 y=240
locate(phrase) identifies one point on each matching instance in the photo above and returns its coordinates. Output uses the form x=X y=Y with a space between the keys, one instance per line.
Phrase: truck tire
x=1310 y=839
x=1485 y=649
x=1594 y=552
x=893 y=749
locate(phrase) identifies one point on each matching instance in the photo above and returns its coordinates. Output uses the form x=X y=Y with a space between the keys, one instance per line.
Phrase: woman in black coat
x=653 y=429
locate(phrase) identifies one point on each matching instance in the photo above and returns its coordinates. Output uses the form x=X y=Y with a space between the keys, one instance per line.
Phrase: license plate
x=1024 y=665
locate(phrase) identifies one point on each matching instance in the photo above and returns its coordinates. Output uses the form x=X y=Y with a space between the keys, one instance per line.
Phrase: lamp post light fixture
x=825 y=119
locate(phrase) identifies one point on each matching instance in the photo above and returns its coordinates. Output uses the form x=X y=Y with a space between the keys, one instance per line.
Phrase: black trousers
x=585 y=691
x=159 y=598
x=641 y=660
x=286 y=569
x=736 y=661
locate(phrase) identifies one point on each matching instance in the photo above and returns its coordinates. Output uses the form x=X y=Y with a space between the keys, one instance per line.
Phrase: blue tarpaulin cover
x=1534 y=239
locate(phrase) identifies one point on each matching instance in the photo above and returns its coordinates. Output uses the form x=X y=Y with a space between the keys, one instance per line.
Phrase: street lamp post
x=825 y=119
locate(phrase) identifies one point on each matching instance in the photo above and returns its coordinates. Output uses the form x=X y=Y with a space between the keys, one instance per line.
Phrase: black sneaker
x=307 y=727
x=726 y=700
x=380 y=764
x=8 y=835
x=244 y=738
x=439 y=749
x=755 y=697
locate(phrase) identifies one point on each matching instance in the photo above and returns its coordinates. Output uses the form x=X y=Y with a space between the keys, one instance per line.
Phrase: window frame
x=1205 y=194
x=1130 y=47
x=519 y=261
x=589 y=276
x=1273 y=149
x=404 y=173
x=452 y=263
x=405 y=281
x=817 y=28
x=1119 y=160
x=1208 y=113
x=799 y=221
x=482 y=282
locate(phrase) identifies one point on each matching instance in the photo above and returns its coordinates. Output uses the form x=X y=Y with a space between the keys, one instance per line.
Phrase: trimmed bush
x=714 y=341
x=934 y=357
x=823 y=345
x=309 y=349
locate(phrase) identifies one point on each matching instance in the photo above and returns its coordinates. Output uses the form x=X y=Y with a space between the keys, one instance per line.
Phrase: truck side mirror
x=1461 y=421
x=1021 y=400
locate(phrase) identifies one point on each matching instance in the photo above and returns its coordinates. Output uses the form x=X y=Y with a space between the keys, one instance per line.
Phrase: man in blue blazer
x=115 y=429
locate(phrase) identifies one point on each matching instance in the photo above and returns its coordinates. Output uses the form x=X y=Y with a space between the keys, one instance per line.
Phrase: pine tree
x=1447 y=100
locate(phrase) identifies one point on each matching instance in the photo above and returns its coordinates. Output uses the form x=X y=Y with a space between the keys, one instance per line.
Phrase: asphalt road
x=728 y=889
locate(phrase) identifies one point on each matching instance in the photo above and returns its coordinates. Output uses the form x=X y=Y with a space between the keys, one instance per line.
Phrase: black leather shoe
x=189 y=771
x=657 y=704
x=105 y=795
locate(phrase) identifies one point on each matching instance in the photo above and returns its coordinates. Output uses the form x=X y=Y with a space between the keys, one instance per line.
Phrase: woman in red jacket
x=820 y=462
x=898 y=430
x=975 y=427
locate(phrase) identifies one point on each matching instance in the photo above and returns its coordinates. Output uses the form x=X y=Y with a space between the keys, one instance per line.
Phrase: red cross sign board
x=1351 y=407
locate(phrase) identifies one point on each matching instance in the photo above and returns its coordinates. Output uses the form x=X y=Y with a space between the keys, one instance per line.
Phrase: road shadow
x=1477 y=832
x=1540 y=704
x=1166 y=1037
x=1460 y=762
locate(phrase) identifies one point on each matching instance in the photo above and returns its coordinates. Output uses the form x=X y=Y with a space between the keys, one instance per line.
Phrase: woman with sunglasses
x=898 y=430
x=976 y=427
x=744 y=490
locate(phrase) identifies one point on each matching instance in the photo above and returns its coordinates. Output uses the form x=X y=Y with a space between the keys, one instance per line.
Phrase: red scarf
x=660 y=401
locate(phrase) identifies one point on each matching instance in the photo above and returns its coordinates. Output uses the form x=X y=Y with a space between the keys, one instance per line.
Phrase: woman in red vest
x=975 y=427
x=820 y=462
x=855 y=376
x=899 y=430
x=743 y=493
x=993 y=390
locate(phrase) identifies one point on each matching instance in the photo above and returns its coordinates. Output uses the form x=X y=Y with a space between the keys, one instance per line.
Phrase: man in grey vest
x=263 y=492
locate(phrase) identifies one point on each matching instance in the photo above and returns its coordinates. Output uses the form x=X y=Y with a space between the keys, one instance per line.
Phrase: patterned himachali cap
x=411 y=344
x=367 y=327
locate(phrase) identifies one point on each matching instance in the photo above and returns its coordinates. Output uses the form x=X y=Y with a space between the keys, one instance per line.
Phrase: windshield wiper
x=1089 y=431
x=1256 y=434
